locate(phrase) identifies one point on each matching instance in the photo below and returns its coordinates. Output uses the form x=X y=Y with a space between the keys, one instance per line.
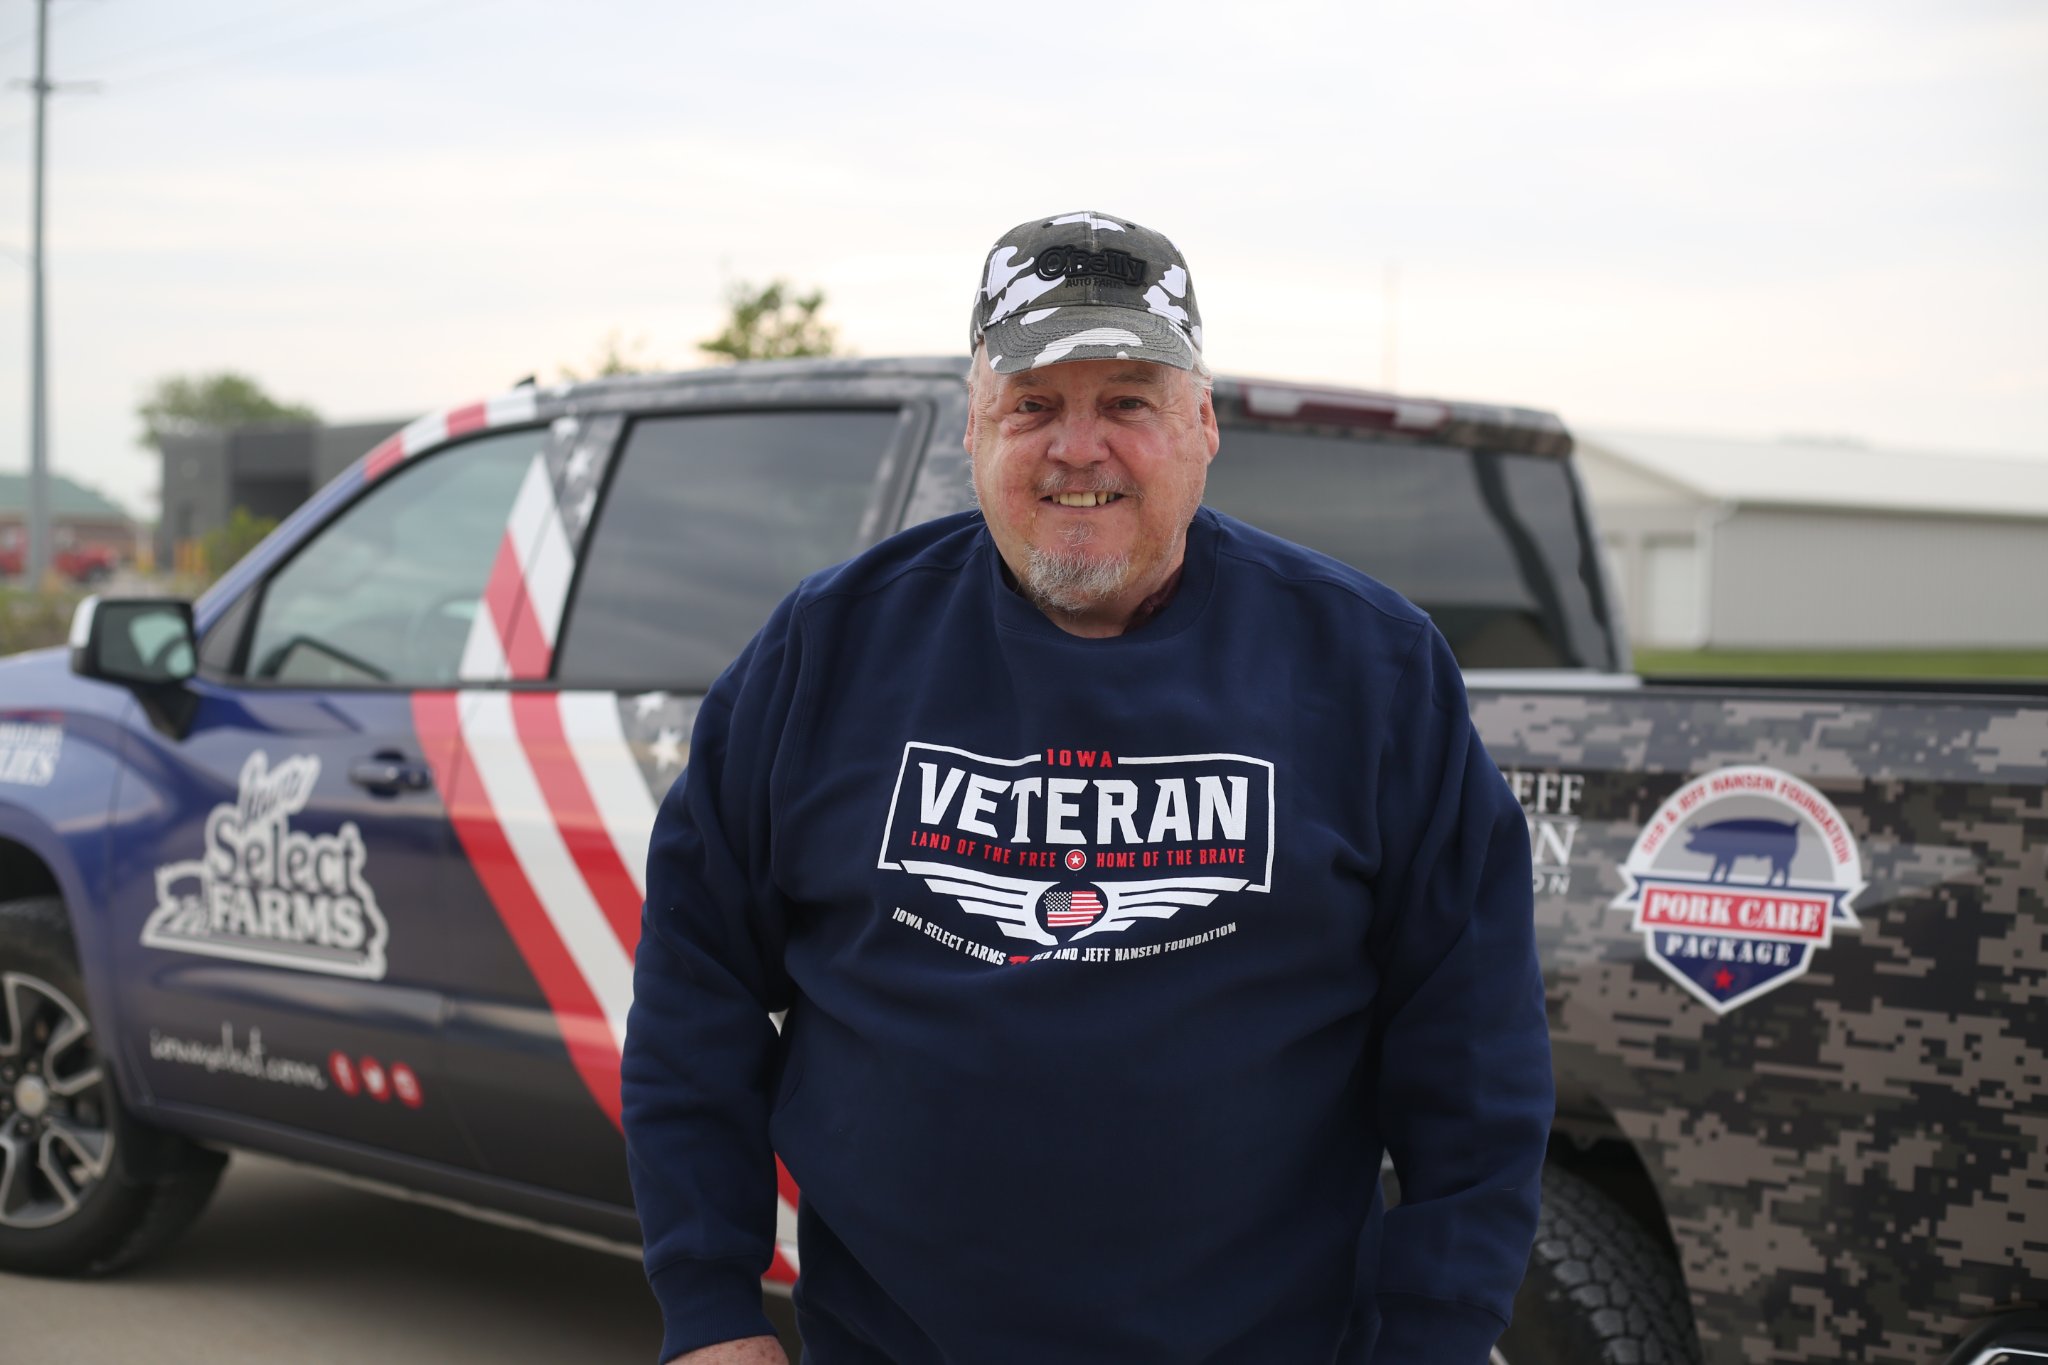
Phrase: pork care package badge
x=1737 y=880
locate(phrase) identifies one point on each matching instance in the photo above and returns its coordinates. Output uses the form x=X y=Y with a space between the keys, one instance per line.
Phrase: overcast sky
x=1753 y=217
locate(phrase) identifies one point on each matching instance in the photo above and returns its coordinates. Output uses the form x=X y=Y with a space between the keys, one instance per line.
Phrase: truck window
x=385 y=593
x=1486 y=542
x=709 y=520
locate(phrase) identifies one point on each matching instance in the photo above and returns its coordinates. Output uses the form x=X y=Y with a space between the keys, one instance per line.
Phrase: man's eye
x=1030 y=405
x=1130 y=404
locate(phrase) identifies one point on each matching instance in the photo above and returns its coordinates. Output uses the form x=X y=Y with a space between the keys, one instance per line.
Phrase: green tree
x=182 y=404
x=225 y=545
x=772 y=322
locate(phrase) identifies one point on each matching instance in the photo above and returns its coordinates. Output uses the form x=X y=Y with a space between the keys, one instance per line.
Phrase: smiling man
x=1089 y=474
x=1131 y=879
x=1089 y=416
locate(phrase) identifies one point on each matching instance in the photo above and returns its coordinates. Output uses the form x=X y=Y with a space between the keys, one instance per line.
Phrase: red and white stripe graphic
x=542 y=788
x=619 y=796
x=784 y=1267
x=507 y=409
x=533 y=786
x=513 y=635
x=554 y=815
x=563 y=866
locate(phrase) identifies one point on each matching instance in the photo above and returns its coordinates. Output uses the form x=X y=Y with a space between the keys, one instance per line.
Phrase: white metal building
x=1810 y=545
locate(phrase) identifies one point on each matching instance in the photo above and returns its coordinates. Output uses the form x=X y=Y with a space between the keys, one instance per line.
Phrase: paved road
x=287 y=1267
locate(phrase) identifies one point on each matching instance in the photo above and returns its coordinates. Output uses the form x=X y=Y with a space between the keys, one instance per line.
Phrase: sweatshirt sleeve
x=700 y=1062
x=1465 y=1092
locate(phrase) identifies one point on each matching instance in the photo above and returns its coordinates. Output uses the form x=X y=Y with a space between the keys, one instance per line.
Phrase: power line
x=180 y=71
x=184 y=42
x=28 y=35
x=170 y=75
x=10 y=44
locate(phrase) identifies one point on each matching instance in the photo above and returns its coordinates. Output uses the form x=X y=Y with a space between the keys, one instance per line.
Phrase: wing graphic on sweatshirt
x=1011 y=901
x=1125 y=903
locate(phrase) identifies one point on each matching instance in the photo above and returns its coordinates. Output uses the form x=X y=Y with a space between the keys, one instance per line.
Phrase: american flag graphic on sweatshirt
x=1065 y=909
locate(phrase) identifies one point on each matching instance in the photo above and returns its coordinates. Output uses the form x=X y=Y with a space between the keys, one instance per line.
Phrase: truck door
x=706 y=521
x=284 y=861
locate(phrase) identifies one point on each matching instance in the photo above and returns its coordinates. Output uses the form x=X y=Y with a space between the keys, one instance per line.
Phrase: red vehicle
x=79 y=563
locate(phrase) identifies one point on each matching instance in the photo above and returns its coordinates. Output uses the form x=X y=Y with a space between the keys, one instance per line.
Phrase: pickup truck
x=344 y=862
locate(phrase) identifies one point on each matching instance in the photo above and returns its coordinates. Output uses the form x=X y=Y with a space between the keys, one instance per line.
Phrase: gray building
x=268 y=468
x=1814 y=545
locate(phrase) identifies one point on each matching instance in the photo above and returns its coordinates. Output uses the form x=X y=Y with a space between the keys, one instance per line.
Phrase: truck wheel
x=1598 y=1289
x=84 y=1188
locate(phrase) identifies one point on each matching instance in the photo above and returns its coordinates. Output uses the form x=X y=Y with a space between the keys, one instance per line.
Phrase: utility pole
x=38 y=563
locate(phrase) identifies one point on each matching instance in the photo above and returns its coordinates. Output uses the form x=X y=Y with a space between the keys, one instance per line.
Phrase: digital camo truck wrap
x=1816 y=1005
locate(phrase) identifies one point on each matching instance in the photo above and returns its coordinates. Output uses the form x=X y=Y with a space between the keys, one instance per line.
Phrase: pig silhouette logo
x=1726 y=841
x=1738 y=880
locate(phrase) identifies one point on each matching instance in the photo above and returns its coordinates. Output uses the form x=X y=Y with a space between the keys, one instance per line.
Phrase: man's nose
x=1079 y=438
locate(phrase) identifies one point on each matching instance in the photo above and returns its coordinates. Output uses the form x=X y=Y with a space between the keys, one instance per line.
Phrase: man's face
x=1088 y=473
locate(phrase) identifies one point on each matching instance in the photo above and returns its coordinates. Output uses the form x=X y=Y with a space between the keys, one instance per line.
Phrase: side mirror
x=136 y=640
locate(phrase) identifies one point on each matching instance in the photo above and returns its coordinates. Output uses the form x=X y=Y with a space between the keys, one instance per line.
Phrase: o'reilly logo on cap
x=1076 y=262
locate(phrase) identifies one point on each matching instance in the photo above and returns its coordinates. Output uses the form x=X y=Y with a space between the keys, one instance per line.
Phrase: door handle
x=390 y=774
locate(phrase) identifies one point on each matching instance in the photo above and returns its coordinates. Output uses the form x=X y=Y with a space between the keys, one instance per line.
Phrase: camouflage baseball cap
x=1085 y=286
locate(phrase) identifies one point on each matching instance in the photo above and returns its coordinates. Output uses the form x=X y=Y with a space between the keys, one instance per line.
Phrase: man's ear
x=1209 y=428
x=974 y=364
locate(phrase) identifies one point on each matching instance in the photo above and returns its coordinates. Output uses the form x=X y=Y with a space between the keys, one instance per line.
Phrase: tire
x=1599 y=1289
x=84 y=1188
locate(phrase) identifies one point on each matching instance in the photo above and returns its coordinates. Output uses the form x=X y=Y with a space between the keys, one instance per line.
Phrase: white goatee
x=1073 y=582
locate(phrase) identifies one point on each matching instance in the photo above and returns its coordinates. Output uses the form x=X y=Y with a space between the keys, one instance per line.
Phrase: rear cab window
x=709 y=520
x=1489 y=543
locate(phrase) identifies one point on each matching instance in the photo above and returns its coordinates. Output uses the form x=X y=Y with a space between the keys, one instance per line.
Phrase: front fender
x=60 y=817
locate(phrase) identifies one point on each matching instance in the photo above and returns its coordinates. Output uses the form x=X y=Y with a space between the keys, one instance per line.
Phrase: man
x=1130 y=879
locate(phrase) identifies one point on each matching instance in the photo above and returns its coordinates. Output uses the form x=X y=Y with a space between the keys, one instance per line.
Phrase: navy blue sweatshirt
x=1111 y=967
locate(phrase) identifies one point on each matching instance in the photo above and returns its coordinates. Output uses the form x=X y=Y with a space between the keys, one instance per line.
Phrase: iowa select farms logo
x=262 y=891
x=29 y=747
x=1738 y=880
x=1062 y=853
